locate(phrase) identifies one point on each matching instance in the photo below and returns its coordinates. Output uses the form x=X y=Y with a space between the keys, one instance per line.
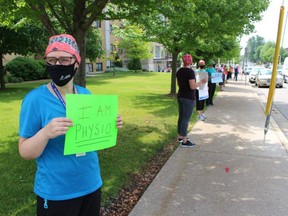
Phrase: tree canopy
x=24 y=39
x=259 y=51
x=206 y=29
x=181 y=26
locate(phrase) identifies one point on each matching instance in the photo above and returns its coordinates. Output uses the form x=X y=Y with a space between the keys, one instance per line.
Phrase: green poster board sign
x=94 y=122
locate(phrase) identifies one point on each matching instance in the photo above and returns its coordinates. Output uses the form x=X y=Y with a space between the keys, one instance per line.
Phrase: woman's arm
x=194 y=85
x=31 y=148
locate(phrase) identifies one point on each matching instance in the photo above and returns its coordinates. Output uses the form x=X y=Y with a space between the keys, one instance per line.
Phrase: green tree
x=283 y=55
x=94 y=44
x=252 y=45
x=267 y=52
x=256 y=56
x=73 y=17
x=25 y=39
x=199 y=27
x=133 y=43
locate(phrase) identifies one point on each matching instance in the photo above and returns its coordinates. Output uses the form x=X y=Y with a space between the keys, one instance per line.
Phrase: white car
x=263 y=78
x=247 y=70
x=254 y=72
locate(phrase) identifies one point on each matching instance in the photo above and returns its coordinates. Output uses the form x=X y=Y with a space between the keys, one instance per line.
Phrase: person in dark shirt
x=236 y=72
x=186 y=97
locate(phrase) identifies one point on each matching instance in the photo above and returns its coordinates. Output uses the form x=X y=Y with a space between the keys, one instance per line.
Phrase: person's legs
x=198 y=105
x=180 y=116
x=187 y=111
x=210 y=92
x=220 y=86
x=213 y=88
x=69 y=207
x=88 y=205
x=91 y=205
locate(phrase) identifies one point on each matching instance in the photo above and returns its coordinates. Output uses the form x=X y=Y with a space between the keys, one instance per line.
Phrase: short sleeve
x=29 y=121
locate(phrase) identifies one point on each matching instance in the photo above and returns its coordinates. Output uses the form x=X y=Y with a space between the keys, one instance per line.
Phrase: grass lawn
x=149 y=116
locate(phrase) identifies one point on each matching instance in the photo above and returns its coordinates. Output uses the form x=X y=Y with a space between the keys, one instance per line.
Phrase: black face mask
x=202 y=66
x=61 y=74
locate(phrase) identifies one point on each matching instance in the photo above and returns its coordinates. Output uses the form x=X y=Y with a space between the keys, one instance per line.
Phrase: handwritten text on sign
x=216 y=77
x=94 y=120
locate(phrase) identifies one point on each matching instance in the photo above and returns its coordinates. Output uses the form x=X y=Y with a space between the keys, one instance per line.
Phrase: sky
x=268 y=26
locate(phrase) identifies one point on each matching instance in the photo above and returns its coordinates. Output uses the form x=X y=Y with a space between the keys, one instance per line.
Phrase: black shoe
x=188 y=144
x=180 y=140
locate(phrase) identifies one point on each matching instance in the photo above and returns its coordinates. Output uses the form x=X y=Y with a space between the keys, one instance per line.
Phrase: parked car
x=263 y=78
x=285 y=78
x=247 y=70
x=253 y=73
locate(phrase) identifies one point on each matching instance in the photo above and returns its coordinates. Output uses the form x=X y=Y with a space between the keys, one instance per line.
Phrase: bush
x=6 y=79
x=13 y=79
x=134 y=64
x=27 y=69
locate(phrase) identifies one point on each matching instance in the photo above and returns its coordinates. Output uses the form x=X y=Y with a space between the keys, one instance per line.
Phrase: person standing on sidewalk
x=187 y=84
x=236 y=72
x=212 y=86
x=220 y=69
x=65 y=185
x=200 y=72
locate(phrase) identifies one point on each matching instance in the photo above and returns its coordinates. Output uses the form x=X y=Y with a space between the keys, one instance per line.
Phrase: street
x=280 y=104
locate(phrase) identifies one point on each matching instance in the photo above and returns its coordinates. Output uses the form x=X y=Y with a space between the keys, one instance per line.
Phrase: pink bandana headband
x=187 y=59
x=63 y=42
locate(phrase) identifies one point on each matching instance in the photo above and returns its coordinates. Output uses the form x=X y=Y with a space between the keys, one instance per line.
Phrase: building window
x=113 y=48
x=157 y=52
x=99 y=67
x=89 y=67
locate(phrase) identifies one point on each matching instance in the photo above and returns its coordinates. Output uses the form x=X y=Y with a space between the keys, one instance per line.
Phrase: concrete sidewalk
x=231 y=171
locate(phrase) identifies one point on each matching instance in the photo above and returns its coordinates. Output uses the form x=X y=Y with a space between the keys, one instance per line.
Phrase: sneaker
x=180 y=140
x=201 y=118
x=188 y=144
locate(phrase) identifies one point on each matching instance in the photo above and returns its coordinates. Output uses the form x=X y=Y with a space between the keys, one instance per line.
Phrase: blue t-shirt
x=58 y=177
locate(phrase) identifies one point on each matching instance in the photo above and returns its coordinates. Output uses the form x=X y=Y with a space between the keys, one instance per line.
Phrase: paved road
x=280 y=105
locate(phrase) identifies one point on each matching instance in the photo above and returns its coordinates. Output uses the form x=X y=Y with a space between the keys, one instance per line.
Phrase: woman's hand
x=204 y=80
x=119 y=122
x=57 y=127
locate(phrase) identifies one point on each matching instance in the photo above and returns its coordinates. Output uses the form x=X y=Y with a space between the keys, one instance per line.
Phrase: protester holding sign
x=202 y=91
x=186 y=97
x=64 y=185
x=211 y=85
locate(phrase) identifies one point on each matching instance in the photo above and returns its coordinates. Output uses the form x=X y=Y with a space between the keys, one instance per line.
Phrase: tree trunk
x=173 y=73
x=80 y=37
x=2 y=82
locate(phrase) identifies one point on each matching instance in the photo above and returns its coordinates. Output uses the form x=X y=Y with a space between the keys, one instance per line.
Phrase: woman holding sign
x=186 y=97
x=64 y=185
x=211 y=85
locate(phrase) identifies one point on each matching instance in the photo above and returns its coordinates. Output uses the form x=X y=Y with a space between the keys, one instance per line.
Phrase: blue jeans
x=186 y=107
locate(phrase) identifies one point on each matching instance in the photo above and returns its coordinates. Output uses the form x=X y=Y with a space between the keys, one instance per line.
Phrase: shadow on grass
x=165 y=105
x=17 y=91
